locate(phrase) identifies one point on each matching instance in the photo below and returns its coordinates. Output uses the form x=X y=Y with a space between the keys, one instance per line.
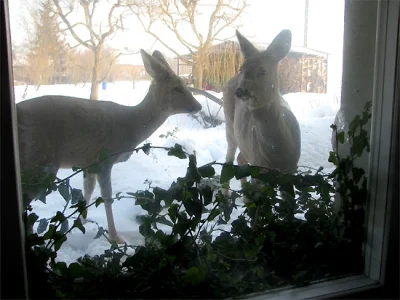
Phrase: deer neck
x=148 y=115
x=268 y=113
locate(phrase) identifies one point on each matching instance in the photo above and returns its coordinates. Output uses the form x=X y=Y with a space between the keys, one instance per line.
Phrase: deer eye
x=262 y=72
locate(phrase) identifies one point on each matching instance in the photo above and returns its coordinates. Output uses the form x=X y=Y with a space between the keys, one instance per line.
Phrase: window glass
x=156 y=112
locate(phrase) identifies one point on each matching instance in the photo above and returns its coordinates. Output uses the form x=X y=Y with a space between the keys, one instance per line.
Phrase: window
x=370 y=59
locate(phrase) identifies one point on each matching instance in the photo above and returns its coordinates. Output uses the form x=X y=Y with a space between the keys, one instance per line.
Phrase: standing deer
x=61 y=132
x=258 y=119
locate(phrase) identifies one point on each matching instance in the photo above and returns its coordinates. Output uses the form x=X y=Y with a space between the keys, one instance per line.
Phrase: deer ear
x=157 y=55
x=246 y=47
x=280 y=45
x=153 y=67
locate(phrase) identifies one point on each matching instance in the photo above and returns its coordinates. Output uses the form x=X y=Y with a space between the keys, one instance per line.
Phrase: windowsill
x=323 y=289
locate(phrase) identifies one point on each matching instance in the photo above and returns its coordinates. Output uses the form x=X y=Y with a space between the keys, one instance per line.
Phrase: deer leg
x=104 y=179
x=89 y=183
x=242 y=161
x=230 y=153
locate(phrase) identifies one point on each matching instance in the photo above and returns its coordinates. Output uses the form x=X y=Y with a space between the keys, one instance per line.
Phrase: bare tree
x=190 y=27
x=90 y=34
x=45 y=47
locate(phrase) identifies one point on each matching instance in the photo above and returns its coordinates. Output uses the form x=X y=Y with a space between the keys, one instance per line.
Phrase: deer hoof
x=117 y=239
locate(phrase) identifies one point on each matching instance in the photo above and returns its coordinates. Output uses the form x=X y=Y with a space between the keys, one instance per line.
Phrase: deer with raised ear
x=61 y=132
x=258 y=120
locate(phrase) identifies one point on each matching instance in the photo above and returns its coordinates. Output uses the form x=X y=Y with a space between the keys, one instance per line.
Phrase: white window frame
x=381 y=190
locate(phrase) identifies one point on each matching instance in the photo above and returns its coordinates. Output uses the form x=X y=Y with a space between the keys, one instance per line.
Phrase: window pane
x=147 y=104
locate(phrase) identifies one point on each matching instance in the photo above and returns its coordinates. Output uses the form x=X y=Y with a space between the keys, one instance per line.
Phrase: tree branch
x=71 y=29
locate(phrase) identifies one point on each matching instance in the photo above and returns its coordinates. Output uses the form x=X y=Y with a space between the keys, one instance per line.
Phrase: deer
x=61 y=132
x=258 y=120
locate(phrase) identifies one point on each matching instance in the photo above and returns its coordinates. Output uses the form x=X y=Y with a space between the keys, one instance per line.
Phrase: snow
x=315 y=112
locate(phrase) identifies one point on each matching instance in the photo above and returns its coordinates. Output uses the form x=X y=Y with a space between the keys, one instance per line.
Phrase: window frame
x=382 y=231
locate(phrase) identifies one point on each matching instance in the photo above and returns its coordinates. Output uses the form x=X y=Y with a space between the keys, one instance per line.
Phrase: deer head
x=170 y=87
x=258 y=83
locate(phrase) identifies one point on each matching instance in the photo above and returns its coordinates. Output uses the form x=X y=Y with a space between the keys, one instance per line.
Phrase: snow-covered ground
x=315 y=113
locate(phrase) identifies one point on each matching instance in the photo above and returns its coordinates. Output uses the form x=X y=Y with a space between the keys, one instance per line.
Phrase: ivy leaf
x=145 y=228
x=206 y=171
x=227 y=172
x=59 y=217
x=213 y=214
x=100 y=233
x=196 y=275
x=163 y=220
x=243 y=171
x=341 y=137
x=32 y=218
x=94 y=169
x=75 y=270
x=59 y=242
x=64 y=226
x=193 y=208
x=77 y=196
x=104 y=154
x=146 y=148
x=50 y=232
x=63 y=189
x=78 y=224
x=173 y=211
x=177 y=151
x=207 y=193
x=42 y=225
x=333 y=158
x=99 y=201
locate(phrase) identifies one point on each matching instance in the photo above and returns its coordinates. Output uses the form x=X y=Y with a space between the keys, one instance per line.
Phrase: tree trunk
x=94 y=91
x=198 y=74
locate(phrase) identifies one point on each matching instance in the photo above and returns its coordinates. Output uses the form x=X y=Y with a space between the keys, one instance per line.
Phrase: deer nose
x=240 y=92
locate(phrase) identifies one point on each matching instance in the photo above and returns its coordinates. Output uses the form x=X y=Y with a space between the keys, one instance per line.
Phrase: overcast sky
x=263 y=20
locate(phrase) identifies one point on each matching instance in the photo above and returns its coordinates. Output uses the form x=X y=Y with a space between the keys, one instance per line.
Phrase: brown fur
x=258 y=119
x=60 y=132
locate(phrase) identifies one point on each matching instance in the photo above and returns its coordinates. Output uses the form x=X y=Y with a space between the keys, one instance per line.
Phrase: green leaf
x=50 y=232
x=145 y=227
x=42 y=225
x=177 y=151
x=99 y=201
x=78 y=224
x=64 y=226
x=161 y=194
x=196 y=275
x=341 y=137
x=207 y=193
x=59 y=242
x=333 y=158
x=146 y=148
x=75 y=270
x=164 y=220
x=63 y=189
x=173 y=211
x=227 y=172
x=193 y=208
x=146 y=201
x=32 y=218
x=59 y=217
x=243 y=171
x=94 y=169
x=77 y=196
x=206 y=171
x=213 y=214
x=104 y=154
x=100 y=233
